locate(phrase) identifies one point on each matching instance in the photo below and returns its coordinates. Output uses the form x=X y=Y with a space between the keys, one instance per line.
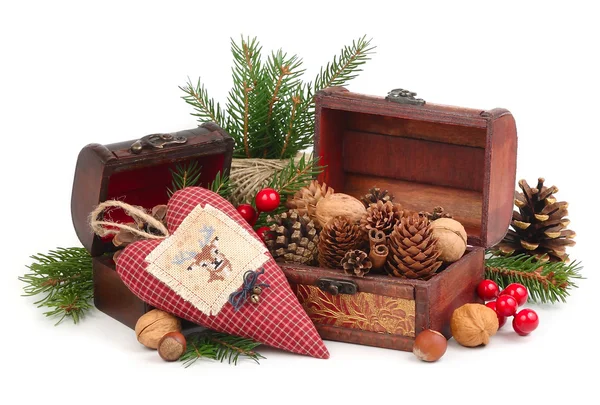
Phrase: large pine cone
x=539 y=227
x=413 y=249
x=338 y=237
x=375 y=195
x=382 y=217
x=293 y=238
x=305 y=200
x=356 y=263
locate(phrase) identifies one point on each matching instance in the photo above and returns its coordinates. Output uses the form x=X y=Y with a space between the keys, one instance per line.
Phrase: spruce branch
x=546 y=281
x=184 y=175
x=219 y=346
x=221 y=185
x=205 y=108
x=63 y=279
x=346 y=65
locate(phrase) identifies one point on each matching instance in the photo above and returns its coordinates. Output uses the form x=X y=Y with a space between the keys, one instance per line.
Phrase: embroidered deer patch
x=209 y=257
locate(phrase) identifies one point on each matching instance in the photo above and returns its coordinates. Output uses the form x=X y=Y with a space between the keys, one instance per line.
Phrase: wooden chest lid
x=426 y=155
x=106 y=172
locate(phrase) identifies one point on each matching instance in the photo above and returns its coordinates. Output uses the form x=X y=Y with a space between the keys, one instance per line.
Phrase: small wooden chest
x=426 y=155
x=138 y=175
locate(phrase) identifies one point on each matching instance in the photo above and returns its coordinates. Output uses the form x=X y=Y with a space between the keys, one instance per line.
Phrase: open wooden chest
x=138 y=173
x=426 y=155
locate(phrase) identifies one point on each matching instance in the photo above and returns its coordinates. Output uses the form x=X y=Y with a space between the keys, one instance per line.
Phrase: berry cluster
x=266 y=200
x=506 y=304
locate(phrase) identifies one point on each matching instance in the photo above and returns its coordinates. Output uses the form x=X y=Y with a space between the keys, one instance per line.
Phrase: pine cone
x=356 y=263
x=305 y=200
x=539 y=227
x=382 y=217
x=438 y=212
x=125 y=237
x=376 y=194
x=413 y=249
x=338 y=237
x=293 y=238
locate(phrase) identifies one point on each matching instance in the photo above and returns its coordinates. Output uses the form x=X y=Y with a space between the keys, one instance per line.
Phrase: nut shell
x=339 y=204
x=430 y=345
x=172 y=346
x=473 y=324
x=451 y=237
x=153 y=325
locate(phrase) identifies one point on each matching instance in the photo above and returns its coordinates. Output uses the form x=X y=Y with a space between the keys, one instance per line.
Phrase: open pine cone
x=338 y=237
x=382 y=217
x=305 y=200
x=539 y=227
x=293 y=238
x=413 y=249
x=376 y=194
x=356 y=263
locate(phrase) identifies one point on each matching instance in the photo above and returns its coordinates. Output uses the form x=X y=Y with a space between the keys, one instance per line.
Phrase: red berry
x=488 y=290
x=506 y=305
x=518 y=291
x=501 y=319
x=263 y=233
x=267 y=200
x=525 y=322
x=248 y=213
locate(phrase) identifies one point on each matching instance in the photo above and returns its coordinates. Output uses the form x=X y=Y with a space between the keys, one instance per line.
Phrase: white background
x=72 y=73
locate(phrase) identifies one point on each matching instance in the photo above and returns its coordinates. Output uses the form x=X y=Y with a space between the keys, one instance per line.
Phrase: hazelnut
x=430 y=345
x=172 y=346
x=339 y=204
x=153 y=325
x=473 y=324
x=451 y=239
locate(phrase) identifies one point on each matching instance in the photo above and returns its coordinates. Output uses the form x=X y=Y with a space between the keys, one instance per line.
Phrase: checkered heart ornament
x=205 y=272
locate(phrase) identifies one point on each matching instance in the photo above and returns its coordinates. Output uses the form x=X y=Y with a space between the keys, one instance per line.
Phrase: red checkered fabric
x=278 y=320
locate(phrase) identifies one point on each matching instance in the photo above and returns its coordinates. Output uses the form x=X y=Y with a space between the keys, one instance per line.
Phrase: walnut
x=473 y=324
x=452 y=239
x=153 y=325
x=339 y=204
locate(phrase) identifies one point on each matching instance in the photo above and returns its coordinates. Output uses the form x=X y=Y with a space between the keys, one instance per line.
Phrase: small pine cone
x=538 y=228
x=438 y=212
x=338 y=237
x=413 y=249
x=305 y=200
x=382 y=217
x=356 y=263
x=376 y=194
x=293 y=238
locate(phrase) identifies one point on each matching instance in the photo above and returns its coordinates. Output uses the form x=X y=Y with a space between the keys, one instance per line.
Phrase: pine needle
x=547 y=282
x=219 y=346
x=184 y=175
x=63 y=279
x=221 y=185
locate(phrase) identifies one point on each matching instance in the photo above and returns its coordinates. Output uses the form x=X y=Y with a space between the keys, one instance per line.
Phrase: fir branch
x=219 y=346
x=546 y=281
x=295 y=175
x=205 y=107
x=295 y=102
x=184 y=175
x=346 y=66
x=221 y=185
x=63 y=279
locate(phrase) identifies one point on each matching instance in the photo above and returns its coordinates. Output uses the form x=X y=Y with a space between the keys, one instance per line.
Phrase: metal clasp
x=156 y=141
x=403 y=96
x=335 y=287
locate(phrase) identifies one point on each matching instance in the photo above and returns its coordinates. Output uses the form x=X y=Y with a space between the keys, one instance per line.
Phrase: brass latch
x=157 y=141
x=402 y=96
x=335 y=287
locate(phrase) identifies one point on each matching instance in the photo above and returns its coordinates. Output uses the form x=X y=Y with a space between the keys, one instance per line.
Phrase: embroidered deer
x=209 y=258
